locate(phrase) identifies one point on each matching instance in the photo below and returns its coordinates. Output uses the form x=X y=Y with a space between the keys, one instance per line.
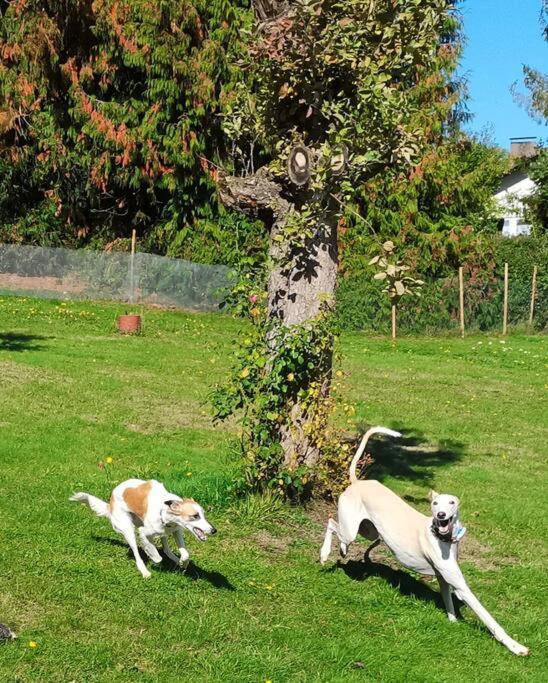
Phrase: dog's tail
x=98 y=506
x=363 y=444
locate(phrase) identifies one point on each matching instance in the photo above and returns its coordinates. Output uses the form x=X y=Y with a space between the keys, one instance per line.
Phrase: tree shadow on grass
x=411 y=457
x=193 y=572
x=405 y=583
x=16 y=341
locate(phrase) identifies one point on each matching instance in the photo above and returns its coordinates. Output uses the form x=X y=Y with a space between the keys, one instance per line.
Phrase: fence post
x=132 y=267
x=393 y=321
x=505 y=305
x=533 y=296
x=461 y=301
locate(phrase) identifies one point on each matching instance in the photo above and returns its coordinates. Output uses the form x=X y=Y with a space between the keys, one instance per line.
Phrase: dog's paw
x=517 y=648
x=184 y=560
x=146 y=574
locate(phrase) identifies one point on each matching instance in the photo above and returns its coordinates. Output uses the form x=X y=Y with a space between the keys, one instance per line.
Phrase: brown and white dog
x=148 y=507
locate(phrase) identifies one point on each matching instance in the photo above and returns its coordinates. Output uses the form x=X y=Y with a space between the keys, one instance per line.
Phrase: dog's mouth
x=200 y=535
x=444 y=525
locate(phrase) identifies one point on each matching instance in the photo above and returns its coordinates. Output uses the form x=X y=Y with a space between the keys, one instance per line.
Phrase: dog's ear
x=432 y=494
x=171 y=503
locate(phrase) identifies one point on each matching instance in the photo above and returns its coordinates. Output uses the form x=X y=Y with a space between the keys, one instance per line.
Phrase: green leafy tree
x=439 y=213
x=332 y=94
x=535 y=99
x=537 y=203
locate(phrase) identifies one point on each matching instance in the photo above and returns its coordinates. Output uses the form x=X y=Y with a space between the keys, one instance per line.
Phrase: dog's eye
x=435 y=502
x=196 y=516
x=451 y=502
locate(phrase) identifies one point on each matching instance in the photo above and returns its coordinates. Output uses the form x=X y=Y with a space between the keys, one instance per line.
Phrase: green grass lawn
x=256 y=605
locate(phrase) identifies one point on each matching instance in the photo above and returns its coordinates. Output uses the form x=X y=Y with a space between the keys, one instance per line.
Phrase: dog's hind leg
x=150 y=549
x=445 y=590
x=373 y=545
x=346 y=530
x=123 y=525
x=350 y=520
x=332 y=528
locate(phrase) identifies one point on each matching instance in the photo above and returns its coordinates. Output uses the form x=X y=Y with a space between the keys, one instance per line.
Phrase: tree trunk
x=297 y=294
x=301 y=285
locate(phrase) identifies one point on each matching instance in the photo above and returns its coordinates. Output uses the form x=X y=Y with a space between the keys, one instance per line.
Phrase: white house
x=515 y=187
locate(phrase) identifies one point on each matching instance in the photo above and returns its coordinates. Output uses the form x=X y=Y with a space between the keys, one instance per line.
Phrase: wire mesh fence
x=139 y=278
x=143 y=278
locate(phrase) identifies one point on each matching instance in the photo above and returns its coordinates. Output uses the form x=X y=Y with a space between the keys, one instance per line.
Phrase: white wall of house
x=510 y=202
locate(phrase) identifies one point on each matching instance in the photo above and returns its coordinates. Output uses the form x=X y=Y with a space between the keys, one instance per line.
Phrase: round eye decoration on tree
x=339 y=160
x=299 y=165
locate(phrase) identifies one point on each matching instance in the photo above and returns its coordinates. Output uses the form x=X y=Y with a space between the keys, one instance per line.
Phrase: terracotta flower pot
x=129 y=324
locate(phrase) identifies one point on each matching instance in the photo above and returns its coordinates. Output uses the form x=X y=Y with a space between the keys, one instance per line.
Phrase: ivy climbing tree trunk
x=301 y=287
x=297 y=294
x=325 y=101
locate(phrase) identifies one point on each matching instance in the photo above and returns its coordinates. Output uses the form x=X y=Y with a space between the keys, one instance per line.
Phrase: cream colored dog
x=148 y=507
x=427 y=545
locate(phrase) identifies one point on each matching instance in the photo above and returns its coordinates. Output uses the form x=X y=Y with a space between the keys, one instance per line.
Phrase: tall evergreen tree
x=107 y=111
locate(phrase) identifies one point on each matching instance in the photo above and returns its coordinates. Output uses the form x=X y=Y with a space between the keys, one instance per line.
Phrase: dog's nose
x=441 y=515
x=213 y=530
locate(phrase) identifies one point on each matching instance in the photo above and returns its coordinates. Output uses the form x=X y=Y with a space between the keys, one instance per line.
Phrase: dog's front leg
x=445 y=590
x=183 y=552
x=466 y=595
x=453 y=576
x=167 y=550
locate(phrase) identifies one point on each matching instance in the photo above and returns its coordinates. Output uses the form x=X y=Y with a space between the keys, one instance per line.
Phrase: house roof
x=511 y=179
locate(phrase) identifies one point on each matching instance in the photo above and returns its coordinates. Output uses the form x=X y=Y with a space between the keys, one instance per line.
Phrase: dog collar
x=162 y=516
x=456 y=535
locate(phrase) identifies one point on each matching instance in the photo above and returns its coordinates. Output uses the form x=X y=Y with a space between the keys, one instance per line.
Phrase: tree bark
x=297 y=294
x=301 y=286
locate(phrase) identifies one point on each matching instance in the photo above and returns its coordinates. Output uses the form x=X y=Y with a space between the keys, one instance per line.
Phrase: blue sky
x=501 y=36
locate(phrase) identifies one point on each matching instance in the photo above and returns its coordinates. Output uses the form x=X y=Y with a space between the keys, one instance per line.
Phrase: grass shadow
x=405 y=583
x=194 y=572
x=111 y=541
x=16 y=341
x=411 y=457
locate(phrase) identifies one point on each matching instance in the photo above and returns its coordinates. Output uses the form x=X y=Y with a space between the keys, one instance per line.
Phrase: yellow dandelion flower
x=32 y=644
x=189 y=474
x=109 y=460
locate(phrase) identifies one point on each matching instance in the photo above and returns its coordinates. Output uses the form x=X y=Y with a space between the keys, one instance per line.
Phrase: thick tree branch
x=253 y=194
